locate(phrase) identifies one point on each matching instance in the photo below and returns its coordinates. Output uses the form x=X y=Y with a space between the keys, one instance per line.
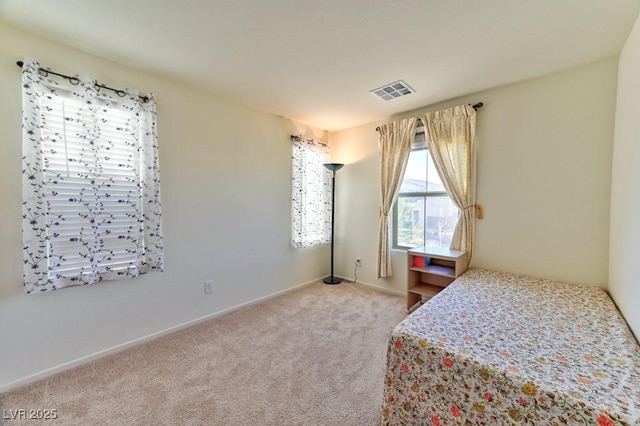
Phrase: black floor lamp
x=333 y=167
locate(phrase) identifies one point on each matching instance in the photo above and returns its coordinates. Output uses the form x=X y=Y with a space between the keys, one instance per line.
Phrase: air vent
x=393 y=90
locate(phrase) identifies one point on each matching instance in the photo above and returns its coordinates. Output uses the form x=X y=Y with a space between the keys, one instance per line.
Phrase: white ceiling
x=314 y=61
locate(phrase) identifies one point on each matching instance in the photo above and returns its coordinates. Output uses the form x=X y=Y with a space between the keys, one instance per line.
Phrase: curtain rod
x=475 y=106
x=75 y=81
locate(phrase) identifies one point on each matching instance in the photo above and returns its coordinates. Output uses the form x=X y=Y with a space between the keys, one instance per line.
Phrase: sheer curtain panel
x=394 y=141
x=311 y=193
x=91 y=182
x=451 y=141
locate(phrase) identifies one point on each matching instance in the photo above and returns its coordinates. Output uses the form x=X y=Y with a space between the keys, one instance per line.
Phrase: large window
x=91 y=185
x=423 y=215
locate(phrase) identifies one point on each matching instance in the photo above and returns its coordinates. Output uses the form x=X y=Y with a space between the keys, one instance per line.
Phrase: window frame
x=125 y=178
x=425 y=194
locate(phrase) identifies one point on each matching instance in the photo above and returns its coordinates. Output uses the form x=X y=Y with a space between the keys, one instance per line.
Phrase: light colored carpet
x=314 y=356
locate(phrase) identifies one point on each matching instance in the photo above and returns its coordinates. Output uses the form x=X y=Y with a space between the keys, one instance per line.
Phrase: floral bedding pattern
x=501 y=349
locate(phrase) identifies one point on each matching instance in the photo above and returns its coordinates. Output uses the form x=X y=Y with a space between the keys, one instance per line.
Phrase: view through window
x=423 y=214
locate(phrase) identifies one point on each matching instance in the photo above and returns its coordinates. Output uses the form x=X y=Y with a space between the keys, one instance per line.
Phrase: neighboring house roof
x=418 y=185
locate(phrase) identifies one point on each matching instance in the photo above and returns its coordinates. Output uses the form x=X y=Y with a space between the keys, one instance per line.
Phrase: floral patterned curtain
x=311 y=193
x=91 y=183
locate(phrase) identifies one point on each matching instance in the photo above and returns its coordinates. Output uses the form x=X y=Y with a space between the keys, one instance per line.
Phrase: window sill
x=400 y=249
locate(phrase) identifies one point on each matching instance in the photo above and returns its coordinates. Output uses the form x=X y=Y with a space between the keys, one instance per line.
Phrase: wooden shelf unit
x=442 y=267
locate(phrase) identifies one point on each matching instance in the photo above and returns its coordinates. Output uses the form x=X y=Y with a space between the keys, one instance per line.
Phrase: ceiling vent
x=393 y=90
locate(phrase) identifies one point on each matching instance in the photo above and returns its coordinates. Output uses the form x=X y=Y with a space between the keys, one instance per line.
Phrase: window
x=423 y=214
x=91 y=188
x=311 y=193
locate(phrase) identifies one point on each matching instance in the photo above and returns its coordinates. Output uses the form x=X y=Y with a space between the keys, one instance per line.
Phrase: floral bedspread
x=500 y=349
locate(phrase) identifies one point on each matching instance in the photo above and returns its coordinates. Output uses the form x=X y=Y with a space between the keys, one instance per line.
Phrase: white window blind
x=98 y=188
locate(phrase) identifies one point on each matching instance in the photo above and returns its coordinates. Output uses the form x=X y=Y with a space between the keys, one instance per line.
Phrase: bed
x=501 y=349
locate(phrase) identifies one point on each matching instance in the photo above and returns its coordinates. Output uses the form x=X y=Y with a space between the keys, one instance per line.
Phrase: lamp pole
x=333 y=167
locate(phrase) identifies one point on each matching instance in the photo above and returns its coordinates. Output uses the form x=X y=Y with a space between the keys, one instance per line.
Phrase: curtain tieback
x=479 y=211
x=382 y=213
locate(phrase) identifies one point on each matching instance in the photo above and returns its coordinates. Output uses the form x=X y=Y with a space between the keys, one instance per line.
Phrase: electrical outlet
x=358 y=262
x=208 y=287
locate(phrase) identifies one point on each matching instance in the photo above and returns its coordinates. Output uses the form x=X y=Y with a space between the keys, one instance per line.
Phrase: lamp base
x=332 y=280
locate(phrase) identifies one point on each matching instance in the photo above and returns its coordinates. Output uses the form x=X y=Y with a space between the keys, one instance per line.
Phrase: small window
x=311 y=193
x=423 y=215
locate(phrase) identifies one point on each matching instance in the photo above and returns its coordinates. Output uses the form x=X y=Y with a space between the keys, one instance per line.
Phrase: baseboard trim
x=118 y=348
x=377 y=287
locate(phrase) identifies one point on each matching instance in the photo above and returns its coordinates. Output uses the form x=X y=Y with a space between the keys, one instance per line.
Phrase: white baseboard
x=377 y=287
x=85 y=359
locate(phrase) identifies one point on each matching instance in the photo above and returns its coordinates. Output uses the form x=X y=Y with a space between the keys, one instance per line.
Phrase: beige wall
x=624 y=266
x=544 y=173
x=544 y=155
x=226 y=173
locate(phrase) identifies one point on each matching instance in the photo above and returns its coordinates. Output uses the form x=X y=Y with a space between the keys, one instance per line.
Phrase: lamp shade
x=334 y=167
